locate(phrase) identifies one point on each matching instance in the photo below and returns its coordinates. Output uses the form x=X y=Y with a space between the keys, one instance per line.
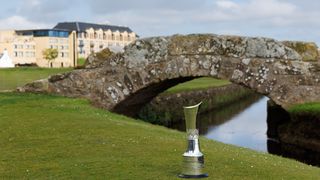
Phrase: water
x=242 y=123
x=246 y=128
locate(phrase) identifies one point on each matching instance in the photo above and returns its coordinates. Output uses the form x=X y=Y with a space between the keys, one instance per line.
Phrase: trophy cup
x=193 y=161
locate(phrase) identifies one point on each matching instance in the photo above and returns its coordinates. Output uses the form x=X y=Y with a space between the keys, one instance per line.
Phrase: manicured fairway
x=50 y=137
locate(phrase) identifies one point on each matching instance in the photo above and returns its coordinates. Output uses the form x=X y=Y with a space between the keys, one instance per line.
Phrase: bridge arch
x=149 y=66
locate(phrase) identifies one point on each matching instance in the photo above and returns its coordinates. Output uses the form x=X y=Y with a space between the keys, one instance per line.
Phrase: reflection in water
x=242 y=123
x=247 y=128
x=304 y=155
x=245 y=124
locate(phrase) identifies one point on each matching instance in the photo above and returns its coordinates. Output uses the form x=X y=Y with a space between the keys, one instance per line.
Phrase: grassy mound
x=310 y=108
x=11 y=78
x=197 y=84
x=50 y=137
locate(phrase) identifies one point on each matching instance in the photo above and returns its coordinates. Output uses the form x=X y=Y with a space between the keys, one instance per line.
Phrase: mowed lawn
x=11 y=78
x=51 y=137
x=197 y=84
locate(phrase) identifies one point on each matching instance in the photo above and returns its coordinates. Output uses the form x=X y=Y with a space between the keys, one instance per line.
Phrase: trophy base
x=193 y=176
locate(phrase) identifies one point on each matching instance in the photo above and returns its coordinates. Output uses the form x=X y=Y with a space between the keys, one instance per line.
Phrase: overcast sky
x=280 y=19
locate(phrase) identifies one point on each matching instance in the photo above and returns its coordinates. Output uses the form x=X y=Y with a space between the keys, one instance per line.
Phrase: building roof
x=26 y=31
x=81 y=27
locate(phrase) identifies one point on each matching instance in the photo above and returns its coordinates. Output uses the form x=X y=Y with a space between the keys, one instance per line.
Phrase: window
x=53 y=40
x=121 y=37
x=129 y=38
x=112 y=37
x=41 y=33
x=104 y=36
x=20 y=54
x=15 y=54
x=62 y=54
x=91 y=44
x=61 y=47
x=51 y=33
x=15 y=46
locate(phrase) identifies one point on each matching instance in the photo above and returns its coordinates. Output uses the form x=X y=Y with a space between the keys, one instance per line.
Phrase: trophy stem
x=193 y=159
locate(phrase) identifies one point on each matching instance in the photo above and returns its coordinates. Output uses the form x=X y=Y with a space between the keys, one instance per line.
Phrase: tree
x=50 y=54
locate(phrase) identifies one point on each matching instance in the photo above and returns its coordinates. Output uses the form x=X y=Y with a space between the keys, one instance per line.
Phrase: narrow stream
x=247 y=128
x=242 y=124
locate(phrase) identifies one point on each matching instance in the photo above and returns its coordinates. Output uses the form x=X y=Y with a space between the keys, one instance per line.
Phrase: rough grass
x=81 y=61
x=310 y=110
x=196 y=84
x=50 y=137
x=12 y=78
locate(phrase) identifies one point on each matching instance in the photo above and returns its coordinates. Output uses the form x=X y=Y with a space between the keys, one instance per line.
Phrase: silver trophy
x=193 y=161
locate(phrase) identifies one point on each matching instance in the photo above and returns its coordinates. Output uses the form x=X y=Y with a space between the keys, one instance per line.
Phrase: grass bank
x=81 y=61
x=50 y=137
x=161 y=110
x=197 y=84
x=311 y=109
x=11 y=78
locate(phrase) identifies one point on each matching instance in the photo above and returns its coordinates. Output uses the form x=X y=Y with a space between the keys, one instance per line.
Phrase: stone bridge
x=126 y=81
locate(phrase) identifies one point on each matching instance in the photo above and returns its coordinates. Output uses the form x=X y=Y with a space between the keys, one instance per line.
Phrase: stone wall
x=166 y=109
x=294 y=135
x=307 y=50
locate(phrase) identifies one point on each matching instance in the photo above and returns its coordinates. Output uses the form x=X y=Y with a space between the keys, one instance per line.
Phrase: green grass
x=305 y=111
x=196 y=84
x=10 y=79
x=50 y=137
x=311 y=108
x=81 y=61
